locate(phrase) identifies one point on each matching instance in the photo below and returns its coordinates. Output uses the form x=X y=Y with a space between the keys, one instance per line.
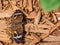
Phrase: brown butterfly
x=16 y=25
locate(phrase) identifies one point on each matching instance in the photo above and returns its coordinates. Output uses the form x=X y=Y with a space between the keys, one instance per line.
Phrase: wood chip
x=0 y=6
x=51 y=30
x=52 y=38
x=29 y=5
x=24 y=3
x=54 y=17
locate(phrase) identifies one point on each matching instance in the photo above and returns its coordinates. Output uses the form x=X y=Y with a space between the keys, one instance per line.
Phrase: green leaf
x=49 y=5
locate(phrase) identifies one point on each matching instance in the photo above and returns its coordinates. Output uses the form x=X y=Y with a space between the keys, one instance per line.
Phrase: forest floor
x=29 y=20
